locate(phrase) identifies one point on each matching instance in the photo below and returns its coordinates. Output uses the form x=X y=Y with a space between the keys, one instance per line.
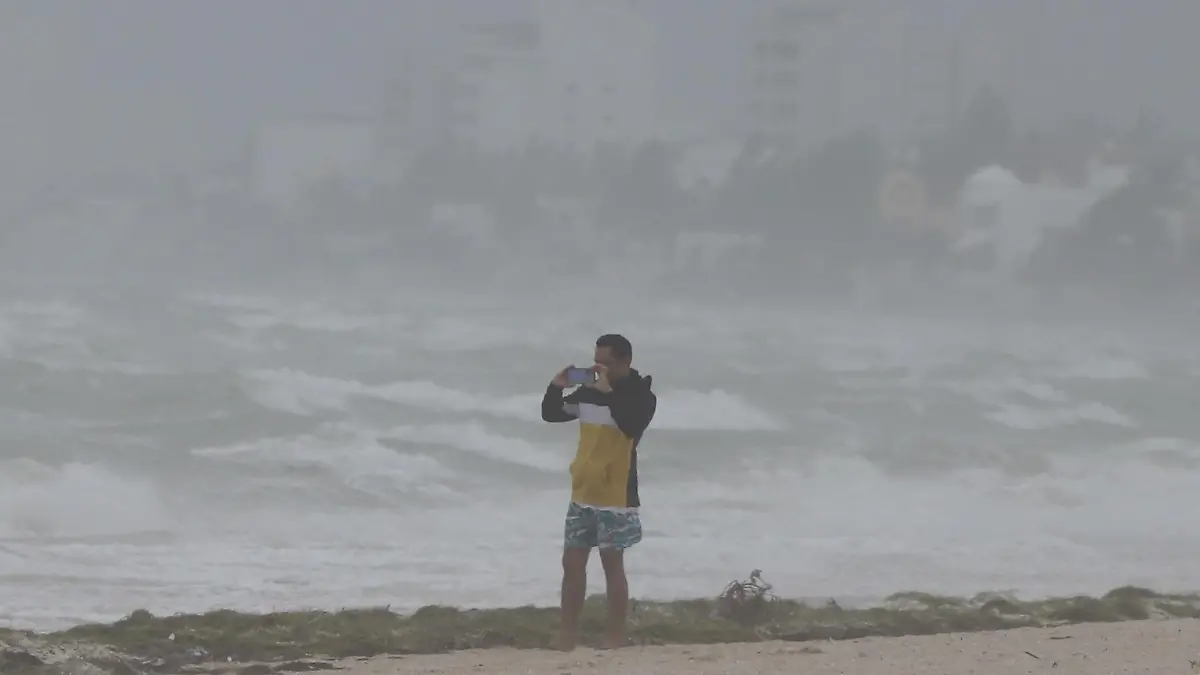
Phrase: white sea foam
x=714 y=410
x=1033 y=419
x=302 y=394
x=840 y=528
x=476 y=438
x=354 y=458
x=276 y=454
x=76 y=500
x=1009 y=401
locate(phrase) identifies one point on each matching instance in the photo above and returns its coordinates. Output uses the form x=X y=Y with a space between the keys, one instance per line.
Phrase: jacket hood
x=635 y=377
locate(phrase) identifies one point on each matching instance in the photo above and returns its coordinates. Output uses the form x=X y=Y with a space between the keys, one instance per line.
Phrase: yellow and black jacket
x=604 y=473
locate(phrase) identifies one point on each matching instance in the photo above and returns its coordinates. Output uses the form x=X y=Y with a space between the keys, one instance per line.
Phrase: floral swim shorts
x=590 y=527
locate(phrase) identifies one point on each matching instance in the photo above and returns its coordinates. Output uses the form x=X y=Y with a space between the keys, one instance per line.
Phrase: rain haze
x=282 y=284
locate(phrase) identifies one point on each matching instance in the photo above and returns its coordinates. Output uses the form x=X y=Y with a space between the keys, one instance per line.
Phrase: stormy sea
x=184 y=450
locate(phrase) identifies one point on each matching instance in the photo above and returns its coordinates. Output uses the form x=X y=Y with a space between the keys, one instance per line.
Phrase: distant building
x=930 y=78
x=599 y=76
x=492 y=92
x=574 y=73
x=291 y=158
x=407 y=116
x=819 y=69
x=795 y=79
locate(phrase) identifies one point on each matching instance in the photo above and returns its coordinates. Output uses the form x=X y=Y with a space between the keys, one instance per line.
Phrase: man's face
x=615 y=366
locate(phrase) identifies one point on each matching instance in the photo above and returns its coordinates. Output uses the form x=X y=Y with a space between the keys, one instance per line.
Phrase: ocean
x=182 y=451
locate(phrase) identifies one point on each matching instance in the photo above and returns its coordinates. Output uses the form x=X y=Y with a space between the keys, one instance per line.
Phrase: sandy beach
x=1158 y=647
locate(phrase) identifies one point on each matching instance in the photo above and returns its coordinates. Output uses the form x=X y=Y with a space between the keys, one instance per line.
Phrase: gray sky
x=81 y=72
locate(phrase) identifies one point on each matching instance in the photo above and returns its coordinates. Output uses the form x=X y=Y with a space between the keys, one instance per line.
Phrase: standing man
x=613 y=412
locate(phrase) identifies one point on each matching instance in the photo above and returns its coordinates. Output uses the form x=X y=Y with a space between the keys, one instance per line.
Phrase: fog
x=197 y=143
x=282 y=283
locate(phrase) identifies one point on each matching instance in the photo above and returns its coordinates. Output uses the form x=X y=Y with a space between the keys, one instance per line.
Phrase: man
x=613 y=412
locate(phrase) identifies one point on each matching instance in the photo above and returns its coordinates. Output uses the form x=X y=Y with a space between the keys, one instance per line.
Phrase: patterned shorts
x=589 y=527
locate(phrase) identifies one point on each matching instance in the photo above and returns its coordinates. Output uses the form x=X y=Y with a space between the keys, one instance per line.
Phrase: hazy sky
x=81 y=72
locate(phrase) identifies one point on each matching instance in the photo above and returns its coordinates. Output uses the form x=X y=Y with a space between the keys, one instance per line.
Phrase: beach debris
x=747 y=602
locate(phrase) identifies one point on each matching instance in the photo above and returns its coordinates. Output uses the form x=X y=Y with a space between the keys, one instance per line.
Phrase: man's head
x=614 y=353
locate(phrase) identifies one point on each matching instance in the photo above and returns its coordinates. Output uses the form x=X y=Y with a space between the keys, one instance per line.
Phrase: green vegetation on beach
x=745 y=613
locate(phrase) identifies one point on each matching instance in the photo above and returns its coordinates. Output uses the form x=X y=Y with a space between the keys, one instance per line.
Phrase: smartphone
x=578 y=376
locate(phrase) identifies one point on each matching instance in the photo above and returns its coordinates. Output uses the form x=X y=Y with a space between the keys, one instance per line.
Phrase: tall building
x=492 y=92
x=406 y=115
x=599 y=74
x=931 y=78
x=795 y=83
x=820 y=70
x=574 y=73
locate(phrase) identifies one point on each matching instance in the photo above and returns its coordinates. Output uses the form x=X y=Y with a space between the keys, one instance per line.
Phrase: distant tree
x=1069 y=146
x=1145 y=138
x=433 y=175
x=983 y=136
x=841 y=180
x=645 y=189
x=514 y=191
x=985 y=132
x=732 y=195
x=651 y=175
x=557 y=171
x=330 y=204
x=1029 y=157
x=940 y=163
x=1123 y=244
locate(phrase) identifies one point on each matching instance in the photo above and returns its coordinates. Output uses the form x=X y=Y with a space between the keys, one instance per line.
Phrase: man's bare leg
x=617 y=591
x=574 y=591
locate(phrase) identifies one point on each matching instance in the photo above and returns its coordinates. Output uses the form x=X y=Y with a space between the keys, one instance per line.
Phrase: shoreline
x=1160 y=647
x=255 y=644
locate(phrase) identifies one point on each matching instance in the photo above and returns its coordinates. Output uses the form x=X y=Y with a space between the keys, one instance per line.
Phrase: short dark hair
x=617 y=344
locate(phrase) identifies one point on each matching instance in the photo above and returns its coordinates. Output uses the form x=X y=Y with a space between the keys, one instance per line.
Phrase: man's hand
x=560 y=380
x=601 y=383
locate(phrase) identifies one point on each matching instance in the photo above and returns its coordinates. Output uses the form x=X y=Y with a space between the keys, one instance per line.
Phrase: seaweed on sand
x=745 y=612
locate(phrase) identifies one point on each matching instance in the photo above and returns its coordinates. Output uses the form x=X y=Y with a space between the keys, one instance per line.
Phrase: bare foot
x=566 y=642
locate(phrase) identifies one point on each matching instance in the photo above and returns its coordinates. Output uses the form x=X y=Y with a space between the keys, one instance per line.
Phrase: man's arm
x=559 y=408
x=632 y=409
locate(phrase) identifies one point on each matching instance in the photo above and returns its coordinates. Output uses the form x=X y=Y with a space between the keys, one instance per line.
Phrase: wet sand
x=1157 y=647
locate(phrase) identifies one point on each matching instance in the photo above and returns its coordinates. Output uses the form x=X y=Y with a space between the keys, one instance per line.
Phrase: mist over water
x=186 y=451
x=212 y=399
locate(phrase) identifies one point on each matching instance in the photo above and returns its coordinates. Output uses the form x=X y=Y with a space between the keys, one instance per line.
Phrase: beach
x=1127 y=630
x=1158 y=647
x=207 y=481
